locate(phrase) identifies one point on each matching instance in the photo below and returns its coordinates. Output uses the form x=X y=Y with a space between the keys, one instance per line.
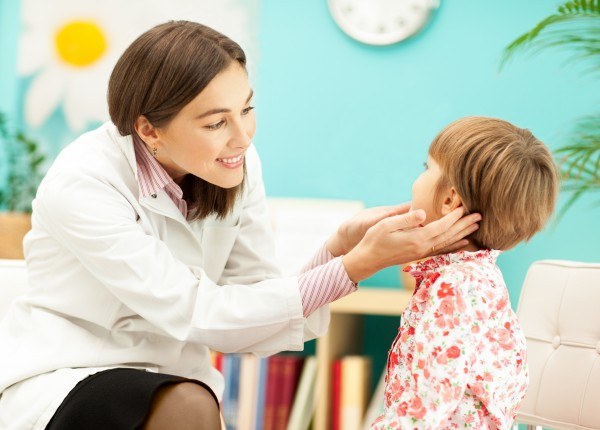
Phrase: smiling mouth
x=232 y=161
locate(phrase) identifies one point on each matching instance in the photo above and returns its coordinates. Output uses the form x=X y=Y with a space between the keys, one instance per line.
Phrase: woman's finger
x=448 y=229
x=443 y=243
x=406 y=221
x=383 y=212
x=443 y=225
x=400 y=209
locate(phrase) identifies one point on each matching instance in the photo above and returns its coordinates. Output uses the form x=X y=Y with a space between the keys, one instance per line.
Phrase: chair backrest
x=13 y=281
x=559 y=311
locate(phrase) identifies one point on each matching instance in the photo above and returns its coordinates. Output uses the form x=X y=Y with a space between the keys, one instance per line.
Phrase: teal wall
x=9 y=12
x=338 y=119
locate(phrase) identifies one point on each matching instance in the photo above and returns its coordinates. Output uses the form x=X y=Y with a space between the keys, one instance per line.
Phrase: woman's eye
x=247 y=110
x=216 y=125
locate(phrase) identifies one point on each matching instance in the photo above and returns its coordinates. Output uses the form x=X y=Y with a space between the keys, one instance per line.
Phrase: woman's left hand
x=350 y=232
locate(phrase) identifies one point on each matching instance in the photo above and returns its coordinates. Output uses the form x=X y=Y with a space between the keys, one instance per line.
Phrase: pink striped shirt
x=321 y=281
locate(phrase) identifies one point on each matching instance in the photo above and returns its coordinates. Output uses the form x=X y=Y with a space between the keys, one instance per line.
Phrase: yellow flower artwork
x=69 y=47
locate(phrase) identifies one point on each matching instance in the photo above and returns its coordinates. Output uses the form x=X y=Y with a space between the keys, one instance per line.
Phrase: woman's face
x=208 y=138
x=423 y=190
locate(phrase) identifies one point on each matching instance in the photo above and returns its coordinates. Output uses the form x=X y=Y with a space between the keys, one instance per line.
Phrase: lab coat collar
x=160 y=202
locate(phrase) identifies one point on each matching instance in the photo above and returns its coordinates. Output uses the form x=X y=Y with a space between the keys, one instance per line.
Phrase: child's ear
x=450 y=201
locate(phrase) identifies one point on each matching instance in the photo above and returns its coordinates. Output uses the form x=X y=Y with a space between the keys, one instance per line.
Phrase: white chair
x=559 y=311
x=13 y=281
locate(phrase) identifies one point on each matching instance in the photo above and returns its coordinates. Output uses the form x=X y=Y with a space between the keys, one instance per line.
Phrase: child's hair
x=501 y=171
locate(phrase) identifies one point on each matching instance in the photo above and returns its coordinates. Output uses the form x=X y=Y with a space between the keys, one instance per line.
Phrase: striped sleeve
x=324 y=283
x=321 y=257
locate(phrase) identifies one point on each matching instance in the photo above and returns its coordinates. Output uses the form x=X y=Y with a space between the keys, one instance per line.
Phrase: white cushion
x=13 y=281
x=559 y=311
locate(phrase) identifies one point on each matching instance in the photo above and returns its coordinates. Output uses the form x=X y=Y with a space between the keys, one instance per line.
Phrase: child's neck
x=471 y=247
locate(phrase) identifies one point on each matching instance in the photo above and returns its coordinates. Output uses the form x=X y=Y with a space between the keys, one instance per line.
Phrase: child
x=460 y=359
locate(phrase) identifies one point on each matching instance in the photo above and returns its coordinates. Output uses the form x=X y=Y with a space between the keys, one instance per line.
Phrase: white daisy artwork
x=69 y=47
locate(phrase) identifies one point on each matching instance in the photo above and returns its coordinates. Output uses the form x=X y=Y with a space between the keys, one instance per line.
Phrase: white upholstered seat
x=559 y=310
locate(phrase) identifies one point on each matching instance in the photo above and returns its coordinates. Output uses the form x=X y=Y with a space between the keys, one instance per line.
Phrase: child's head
x=492 y=167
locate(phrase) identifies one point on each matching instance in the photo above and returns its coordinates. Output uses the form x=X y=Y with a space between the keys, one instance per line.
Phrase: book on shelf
x=267 y=393
x=261 y=390
x=336 y=379
x=247 y=402
x=290 y=375
x=303 y=408
x=375 y=407
x=231 y=372
x=271 y=391
x=283 y=373
x=354 y=391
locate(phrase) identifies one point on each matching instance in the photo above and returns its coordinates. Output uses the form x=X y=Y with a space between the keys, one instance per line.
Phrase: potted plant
x=22 y=161
x=575 y=25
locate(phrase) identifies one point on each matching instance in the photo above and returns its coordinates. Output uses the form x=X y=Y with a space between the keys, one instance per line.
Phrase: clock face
x=381 y=22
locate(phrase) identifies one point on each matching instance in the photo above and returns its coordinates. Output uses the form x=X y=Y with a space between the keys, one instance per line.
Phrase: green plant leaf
x=24 y=162
x=576 y=25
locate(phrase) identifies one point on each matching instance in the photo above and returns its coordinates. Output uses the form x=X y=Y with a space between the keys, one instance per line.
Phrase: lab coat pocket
x=217 y=242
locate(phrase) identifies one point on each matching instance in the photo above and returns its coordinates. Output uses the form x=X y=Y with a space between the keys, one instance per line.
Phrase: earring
x=154 y=152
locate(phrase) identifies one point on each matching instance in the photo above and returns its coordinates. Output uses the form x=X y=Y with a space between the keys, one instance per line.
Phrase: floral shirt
x=459 y=359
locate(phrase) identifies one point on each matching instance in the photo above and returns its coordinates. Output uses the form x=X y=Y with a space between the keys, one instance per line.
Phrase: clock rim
x=378 y=39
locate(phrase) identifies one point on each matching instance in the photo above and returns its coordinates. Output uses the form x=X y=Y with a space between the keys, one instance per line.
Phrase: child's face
x=423 y=191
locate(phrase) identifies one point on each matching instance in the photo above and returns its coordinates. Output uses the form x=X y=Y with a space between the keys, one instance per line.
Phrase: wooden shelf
x=373 y=301
x=343 y=337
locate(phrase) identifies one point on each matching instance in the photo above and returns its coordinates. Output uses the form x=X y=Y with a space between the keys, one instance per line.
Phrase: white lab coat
x=117 y=279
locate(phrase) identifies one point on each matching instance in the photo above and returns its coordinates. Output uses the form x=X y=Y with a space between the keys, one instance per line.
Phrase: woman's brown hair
x=158 y=74
x=501 y=171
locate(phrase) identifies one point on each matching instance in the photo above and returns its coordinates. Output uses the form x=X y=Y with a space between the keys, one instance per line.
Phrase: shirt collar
x=423 y=268
x=152 y=177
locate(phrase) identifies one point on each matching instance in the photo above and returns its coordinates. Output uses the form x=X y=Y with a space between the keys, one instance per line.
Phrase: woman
x=151 y=244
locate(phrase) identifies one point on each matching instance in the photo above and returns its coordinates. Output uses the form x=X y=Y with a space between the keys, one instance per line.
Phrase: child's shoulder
x=474 y=278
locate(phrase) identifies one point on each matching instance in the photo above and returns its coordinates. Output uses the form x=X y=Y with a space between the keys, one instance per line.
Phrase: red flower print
x=426 y=373
x=440 y=323
x=478 y=389
x=417 y=410
x=469 y=311
x=505 y=339
x=433 y=277
x=421 y=296
x=447 y=307
x=453 y=352
x=445 y=290
x=401 y=409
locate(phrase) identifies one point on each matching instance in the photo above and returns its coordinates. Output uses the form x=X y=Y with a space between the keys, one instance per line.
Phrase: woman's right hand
x=351 y=232
x=400 y=239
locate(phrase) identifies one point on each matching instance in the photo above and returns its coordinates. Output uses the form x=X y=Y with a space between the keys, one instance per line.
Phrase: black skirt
x=118 y=399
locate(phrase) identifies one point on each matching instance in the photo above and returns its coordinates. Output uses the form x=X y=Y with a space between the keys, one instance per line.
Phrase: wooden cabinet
x=344 y=336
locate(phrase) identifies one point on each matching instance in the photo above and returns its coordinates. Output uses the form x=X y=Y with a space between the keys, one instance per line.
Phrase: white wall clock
x=381 y=22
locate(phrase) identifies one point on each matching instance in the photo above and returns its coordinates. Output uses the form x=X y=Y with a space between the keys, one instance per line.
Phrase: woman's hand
x=352 y=231
x=399 y=239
